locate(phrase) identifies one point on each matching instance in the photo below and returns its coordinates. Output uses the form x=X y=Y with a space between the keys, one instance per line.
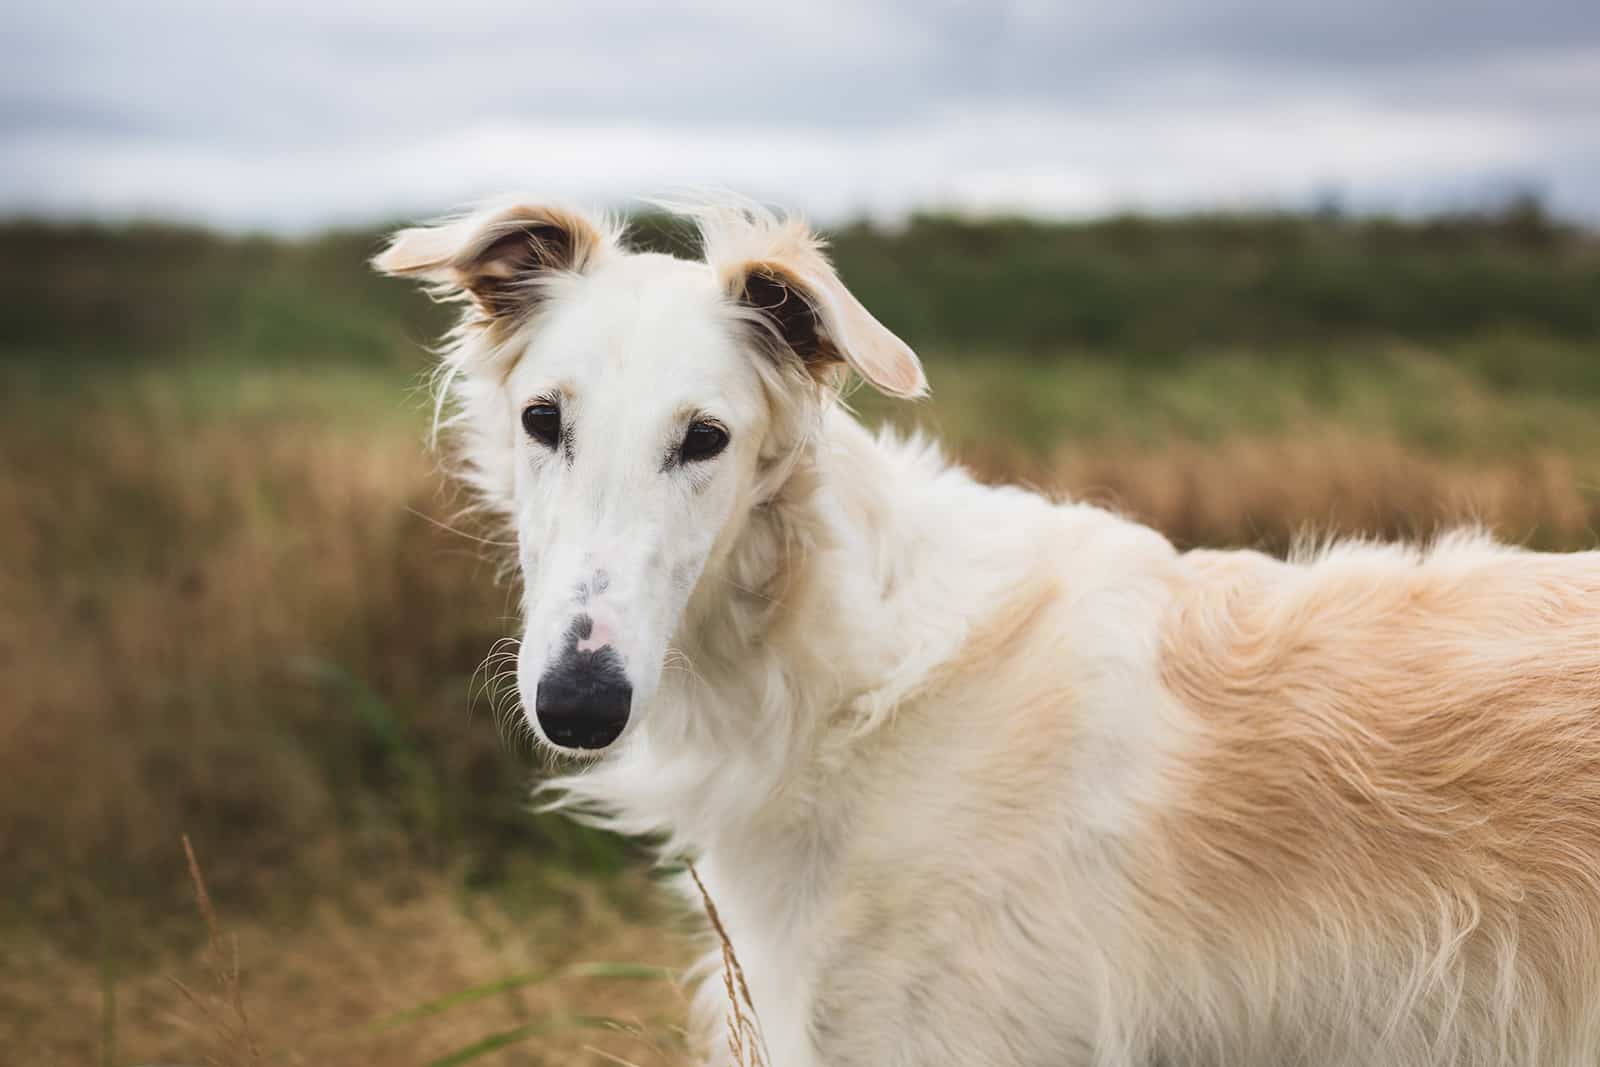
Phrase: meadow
x=238 y=600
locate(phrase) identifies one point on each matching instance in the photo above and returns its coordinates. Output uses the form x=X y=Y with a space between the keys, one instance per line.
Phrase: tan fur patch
x=496 y=255
x=745 y=241
x=1401 y=748
x=992 y=640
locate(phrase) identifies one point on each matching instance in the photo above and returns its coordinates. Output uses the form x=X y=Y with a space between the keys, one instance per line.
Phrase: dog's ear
x=498 y=257
x=775 y=269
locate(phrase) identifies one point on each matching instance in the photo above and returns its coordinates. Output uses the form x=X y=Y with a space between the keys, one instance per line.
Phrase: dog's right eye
x=542 y=422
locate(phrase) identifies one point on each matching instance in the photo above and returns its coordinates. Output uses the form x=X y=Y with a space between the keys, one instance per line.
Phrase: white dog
x=976 y=778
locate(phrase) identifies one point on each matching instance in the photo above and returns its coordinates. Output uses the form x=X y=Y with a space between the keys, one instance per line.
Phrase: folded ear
x=775 y=269
x=499 y=257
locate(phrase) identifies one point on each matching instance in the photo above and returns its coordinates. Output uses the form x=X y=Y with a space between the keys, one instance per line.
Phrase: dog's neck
x=791 y=651
x=846 y=591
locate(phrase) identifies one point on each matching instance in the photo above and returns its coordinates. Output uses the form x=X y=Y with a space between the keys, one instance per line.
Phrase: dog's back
x=1392 y=793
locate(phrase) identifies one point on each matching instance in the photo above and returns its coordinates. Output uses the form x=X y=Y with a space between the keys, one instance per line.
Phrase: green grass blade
x=505 y=1038
x=628 y=971
x=464 y=996
x=643 y=972
x=376 y=713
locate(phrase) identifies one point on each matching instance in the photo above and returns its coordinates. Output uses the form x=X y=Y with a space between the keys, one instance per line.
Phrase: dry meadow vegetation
x=239 y=602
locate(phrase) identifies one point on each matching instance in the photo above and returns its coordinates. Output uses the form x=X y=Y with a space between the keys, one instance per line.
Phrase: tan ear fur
x=497 y=256
x=765 y=262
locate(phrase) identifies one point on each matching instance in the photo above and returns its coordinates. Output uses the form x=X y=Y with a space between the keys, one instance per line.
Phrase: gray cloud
x=231 y=112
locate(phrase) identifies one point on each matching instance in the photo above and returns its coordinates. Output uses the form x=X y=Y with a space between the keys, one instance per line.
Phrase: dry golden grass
x=1267 y=493
x=746 y=1043
x=334 y=990
x=431 y=978
x=227 y=1014
x=182 y=597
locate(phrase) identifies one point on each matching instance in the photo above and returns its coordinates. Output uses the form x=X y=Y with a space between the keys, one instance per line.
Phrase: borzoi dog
x=978 y=778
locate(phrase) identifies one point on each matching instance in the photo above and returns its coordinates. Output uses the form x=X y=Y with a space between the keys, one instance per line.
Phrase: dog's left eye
x=702 y=441
x=542 y=422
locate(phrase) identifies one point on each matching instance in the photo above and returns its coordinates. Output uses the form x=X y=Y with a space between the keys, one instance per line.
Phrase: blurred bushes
x=1130 y=288
x=86 y=292
x=1141 y=288
x=255 y=630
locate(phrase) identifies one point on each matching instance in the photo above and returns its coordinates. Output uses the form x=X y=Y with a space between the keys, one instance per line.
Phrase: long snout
x=584 y=696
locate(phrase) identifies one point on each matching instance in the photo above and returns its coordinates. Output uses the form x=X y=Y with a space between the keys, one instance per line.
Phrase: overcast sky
x=294 y=113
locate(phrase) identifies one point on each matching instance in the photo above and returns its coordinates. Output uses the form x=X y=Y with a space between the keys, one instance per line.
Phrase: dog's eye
x=542 y=423
x=702 y=441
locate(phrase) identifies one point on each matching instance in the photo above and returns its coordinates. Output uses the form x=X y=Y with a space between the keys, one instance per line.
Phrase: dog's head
x=627 y=411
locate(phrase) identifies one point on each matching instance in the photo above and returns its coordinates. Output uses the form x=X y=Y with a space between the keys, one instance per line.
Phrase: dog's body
x=975 y=778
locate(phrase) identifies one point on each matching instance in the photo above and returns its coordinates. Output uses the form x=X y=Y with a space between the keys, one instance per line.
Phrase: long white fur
x=937 y=749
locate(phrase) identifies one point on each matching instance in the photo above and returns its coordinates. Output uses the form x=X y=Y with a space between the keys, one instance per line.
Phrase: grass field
x=239 y=602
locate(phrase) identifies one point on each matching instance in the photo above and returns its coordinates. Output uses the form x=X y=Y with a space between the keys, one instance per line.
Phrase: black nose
x=583 y=701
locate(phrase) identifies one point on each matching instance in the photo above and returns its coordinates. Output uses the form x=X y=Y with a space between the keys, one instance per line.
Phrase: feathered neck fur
x=799 y=643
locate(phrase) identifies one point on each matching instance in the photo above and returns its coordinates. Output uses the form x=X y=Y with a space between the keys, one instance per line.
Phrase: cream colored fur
x=979 y=778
